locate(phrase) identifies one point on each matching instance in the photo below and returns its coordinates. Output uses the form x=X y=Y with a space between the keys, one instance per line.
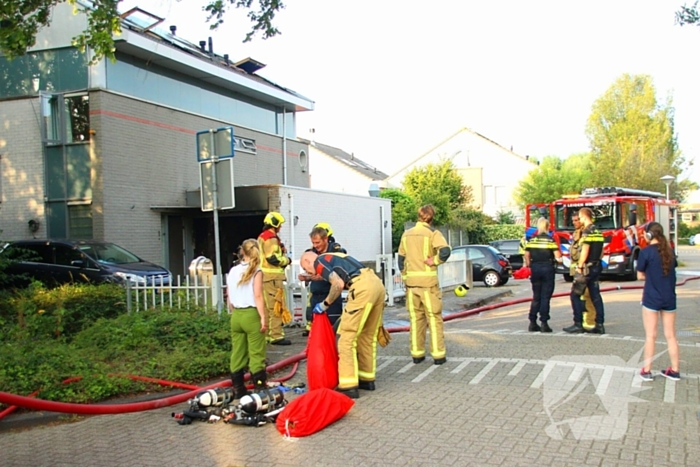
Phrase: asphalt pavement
x=505 y=397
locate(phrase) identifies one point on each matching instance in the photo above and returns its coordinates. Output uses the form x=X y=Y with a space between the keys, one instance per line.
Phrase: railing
x=200 y=290
x=456 y=271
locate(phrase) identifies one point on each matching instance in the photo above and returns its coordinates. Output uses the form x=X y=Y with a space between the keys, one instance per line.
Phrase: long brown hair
x=251 y=251
x=665 y=250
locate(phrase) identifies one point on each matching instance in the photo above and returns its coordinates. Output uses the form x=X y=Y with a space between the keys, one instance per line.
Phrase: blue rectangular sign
x=217 y=143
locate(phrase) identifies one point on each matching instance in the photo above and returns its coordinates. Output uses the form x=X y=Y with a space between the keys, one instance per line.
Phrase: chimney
x=173 y=28
x=211 y=46
x=202 y=45
x=226 y=60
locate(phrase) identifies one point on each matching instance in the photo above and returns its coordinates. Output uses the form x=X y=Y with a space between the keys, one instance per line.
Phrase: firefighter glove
x=383 y=336
x=320 y=307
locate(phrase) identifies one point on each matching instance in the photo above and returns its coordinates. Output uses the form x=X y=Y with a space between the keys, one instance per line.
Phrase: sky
x=391 y=79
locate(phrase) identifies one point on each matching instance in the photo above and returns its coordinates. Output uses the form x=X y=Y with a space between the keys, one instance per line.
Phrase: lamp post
x=667 y=179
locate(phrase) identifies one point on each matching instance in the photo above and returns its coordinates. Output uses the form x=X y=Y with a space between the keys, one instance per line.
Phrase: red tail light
x=503 y=263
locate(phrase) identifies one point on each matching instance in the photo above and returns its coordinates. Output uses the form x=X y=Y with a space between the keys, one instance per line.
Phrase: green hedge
x=503 y=232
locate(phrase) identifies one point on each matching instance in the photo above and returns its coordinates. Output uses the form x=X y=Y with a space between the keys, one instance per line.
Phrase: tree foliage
x=632 y=138
x=438 y=184
x=20 y=20
x=472 y=221
x=553 y=178
x=403 y=209
x=688 y=15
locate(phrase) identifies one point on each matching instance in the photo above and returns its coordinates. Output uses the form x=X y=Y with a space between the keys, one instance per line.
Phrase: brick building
x=107 y=151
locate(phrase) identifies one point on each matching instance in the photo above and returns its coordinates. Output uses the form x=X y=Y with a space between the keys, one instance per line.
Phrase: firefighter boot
x=239 y=389
x=533 y=326
x=260 y=380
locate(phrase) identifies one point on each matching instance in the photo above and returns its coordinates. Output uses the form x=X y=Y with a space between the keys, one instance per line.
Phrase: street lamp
x=667 y=179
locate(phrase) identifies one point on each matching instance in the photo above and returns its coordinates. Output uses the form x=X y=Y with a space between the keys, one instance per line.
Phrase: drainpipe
x=381 y=227
x=291 y=225
x=284 y=145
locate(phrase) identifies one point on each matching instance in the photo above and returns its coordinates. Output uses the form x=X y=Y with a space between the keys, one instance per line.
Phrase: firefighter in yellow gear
x=361 y=320
x=274 y=260
x=575 y=254
x=422 y=248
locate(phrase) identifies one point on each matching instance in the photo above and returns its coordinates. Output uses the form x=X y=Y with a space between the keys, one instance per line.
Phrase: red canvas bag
x=312 y=412
x=321 y=355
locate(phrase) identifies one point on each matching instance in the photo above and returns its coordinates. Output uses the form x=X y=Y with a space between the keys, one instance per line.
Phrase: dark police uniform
x=541 y=248
x=594 y=239
x=362 y=316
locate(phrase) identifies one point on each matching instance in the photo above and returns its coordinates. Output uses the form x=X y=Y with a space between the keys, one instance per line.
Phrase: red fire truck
x=621 y=214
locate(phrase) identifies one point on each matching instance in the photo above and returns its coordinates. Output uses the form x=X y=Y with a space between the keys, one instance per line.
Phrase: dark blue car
x=56 y=262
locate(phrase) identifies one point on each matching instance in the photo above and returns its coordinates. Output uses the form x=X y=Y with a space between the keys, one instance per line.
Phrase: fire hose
x=30 y=402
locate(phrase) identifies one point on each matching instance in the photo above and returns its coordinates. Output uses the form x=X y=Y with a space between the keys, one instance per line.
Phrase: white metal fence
x=201 y=290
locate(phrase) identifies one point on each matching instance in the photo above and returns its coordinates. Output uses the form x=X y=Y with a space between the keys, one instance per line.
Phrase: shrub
x=503 y=232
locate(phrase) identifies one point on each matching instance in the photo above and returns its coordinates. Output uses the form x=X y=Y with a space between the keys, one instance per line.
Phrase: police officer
x=274 y=260
x=574 y=254
x=361 y=318
x=323 y=242
x=422 y=248
x=588 y=269
x=541 y=252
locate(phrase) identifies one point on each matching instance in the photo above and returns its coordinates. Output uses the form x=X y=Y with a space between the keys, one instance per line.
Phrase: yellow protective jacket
x=273 y=259
x=417 y=244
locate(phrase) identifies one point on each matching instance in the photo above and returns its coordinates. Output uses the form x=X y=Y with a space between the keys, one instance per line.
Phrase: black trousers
x=542 y=280
x=334 y=311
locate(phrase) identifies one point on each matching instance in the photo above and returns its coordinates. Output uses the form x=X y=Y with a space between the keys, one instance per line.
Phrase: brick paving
x=489 y=405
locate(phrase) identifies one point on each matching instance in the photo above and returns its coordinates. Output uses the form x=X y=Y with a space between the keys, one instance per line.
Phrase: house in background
x=107 y=151
x=332 y=169
x=491 y=170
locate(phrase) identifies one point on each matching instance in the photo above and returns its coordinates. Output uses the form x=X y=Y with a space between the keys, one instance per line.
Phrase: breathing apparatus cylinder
x=262 y=402
x=214 y=397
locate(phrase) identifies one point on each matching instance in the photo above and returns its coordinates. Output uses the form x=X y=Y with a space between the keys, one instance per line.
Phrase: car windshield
x=604 y=214
x=495 y=251
x=109 y=253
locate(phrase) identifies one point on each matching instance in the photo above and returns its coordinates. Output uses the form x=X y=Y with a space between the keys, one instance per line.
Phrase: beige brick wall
x=21 y=169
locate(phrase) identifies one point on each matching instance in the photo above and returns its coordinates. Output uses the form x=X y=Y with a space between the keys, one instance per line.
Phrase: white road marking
x=406 y=368
x=670 y=391
x=462 y=366
x=604 y=381
x=420 y=377
x=484 y=371
x=548 y=367
x=516 y=369
x=576 y=374
x=388 y=362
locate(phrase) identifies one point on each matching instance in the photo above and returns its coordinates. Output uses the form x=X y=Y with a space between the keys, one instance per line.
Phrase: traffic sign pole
x=215 y=201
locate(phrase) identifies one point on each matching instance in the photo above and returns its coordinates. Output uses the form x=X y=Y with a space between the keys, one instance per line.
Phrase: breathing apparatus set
x=255 y=409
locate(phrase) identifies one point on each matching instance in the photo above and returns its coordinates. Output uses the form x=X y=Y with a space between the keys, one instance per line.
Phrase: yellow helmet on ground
x=461 y=290
x=326 y=226
x=274 y=219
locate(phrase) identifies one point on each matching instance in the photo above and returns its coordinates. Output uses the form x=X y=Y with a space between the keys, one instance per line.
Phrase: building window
x=66 y=119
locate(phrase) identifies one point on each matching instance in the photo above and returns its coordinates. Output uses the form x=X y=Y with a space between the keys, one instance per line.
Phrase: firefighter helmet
x=274 y=219
x=326 y=226
x=461 y=290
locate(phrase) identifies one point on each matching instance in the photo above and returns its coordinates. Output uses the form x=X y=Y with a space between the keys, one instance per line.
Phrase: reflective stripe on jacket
x=417 y=245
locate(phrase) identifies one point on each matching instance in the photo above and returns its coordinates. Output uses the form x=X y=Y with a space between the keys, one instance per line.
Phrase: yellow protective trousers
x=359 y=324
x=275 y=331
x=425 y=310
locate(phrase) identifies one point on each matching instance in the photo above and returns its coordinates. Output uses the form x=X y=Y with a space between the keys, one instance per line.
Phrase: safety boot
x=238 y=384
x=598 y=329
x=533 y=326
x=545 y=327
x=576 y=328
x=259 y=380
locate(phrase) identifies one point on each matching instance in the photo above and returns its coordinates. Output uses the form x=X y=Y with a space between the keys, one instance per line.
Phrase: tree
x=688 y=15
x=20 y=20
x=472 y=222
x=632 y=138
x=403 y=209
x=553 y=178
x=505 y=217
x=438 y=184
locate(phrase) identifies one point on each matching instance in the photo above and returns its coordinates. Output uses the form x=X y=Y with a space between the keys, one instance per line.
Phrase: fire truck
x=621 y=215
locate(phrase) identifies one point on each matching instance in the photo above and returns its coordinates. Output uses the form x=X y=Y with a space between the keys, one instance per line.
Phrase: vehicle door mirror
x=78 y=263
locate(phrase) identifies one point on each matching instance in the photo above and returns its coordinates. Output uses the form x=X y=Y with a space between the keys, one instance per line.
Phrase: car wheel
x=568 y=277
x=504 y=281
x=632 y=274
x=491 y=279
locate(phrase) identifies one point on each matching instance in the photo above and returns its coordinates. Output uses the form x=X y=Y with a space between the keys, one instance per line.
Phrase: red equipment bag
x=312 y=412
x=321 y=354
x=522 y=273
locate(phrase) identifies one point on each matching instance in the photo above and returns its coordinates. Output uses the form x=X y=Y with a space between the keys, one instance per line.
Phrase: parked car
x=511 y=250
x=488 y=264
x=57 y=262
x=694 y=239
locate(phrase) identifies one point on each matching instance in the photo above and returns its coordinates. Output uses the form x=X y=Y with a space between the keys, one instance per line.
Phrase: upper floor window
x=66 y=118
